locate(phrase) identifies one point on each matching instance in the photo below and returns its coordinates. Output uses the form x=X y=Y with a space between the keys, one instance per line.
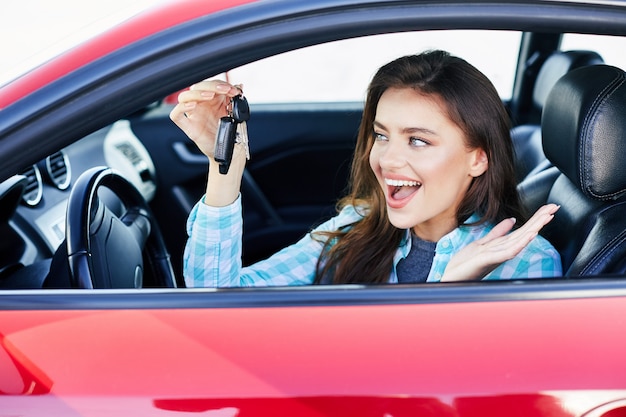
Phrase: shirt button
x=446 y=244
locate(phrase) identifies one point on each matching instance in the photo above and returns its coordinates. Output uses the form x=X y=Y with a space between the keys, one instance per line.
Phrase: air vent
x=58 y=167
x=34 y=188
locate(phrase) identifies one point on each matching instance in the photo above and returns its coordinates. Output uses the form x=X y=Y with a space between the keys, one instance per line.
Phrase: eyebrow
x=408 y=130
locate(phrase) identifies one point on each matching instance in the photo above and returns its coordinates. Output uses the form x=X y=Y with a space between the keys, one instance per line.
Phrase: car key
x=242 y=137
x=240 y=109
x=225 y=143
x=228 y=131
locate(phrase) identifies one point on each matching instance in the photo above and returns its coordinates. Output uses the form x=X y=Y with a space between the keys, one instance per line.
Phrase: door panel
x=423 y=357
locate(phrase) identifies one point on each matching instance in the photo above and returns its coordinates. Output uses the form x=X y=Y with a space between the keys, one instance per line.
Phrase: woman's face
x=421 y=162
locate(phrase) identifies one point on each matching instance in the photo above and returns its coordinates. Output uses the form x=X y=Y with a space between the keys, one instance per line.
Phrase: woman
x=433 y=194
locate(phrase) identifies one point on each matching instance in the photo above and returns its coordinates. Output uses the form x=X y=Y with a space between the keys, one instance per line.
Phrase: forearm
x=223 y=189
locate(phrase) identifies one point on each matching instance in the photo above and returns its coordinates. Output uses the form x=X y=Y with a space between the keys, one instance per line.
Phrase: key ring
x=229 y=107
x=230 y=104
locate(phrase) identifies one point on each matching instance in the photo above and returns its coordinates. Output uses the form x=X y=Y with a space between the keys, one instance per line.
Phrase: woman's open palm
x=482 y=256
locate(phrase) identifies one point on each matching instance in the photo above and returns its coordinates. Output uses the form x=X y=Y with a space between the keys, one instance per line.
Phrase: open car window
x=610 y=48
x=340 y=71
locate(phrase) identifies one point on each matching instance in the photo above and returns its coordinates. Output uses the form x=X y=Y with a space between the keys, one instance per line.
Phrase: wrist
x=223 y=189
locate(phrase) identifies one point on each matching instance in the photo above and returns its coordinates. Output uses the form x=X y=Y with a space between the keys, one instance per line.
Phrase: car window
x=341 y=70
x=611 y=48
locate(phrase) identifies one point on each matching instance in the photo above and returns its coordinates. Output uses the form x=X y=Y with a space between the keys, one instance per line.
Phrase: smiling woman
x=436 y=135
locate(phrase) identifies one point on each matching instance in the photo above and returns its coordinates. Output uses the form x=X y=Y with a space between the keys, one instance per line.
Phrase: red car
x=84 y=331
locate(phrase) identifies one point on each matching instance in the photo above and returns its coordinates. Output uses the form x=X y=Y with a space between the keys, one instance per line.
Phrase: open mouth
x=399 y=190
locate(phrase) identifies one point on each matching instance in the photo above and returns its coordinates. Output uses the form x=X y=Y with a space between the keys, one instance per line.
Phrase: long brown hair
x=364 y=251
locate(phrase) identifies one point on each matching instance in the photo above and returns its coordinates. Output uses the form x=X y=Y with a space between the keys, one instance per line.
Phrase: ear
x=478 y=162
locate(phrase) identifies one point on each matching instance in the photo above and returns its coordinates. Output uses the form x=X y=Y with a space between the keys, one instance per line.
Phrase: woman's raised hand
x=199 y=109
x=484 y=255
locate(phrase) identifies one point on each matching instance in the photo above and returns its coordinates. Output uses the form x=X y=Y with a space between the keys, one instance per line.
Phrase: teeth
x=398 y=183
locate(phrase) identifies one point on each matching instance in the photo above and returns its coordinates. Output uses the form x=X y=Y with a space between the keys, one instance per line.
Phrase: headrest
x=584 y=130
x=557 y=65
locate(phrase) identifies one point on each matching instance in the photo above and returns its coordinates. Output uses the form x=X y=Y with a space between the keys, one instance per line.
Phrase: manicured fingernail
x=514 y=220
x=208 y=94
x=223 y=87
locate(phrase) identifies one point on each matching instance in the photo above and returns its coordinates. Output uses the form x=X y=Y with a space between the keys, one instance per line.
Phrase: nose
x=392 y=155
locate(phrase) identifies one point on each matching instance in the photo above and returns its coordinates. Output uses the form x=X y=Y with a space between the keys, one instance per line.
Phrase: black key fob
x=225 y=143
x=240 y=109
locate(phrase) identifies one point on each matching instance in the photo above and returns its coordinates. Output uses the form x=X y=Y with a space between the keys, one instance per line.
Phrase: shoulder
x=346 y=217
x=539 y=259
x=465 y=234
x=540 y=244
x=539 y=249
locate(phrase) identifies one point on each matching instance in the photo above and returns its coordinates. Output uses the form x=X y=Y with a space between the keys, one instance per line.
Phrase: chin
x=401 y=221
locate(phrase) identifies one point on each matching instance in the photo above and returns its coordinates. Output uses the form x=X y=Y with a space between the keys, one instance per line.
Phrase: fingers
x=499 y=245
x=542 y=216
x=178 y=113
x=512 y=243
x=499 y=230
x=199 y=110
x=208 y=90
x=204 y=91
x=539 y=219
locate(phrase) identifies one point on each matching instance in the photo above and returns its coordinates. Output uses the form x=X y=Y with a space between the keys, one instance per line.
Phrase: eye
x=379 y=137
x=418 y=142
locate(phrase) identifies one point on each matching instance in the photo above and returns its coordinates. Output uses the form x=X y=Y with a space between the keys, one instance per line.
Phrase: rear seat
x=530 y=158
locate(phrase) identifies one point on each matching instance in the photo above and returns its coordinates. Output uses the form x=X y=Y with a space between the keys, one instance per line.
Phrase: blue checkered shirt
x=213 y=252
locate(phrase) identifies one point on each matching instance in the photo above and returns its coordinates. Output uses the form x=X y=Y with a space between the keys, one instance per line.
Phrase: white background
x=33 y=31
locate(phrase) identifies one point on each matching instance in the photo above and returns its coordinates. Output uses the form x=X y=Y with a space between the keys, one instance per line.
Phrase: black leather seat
x=526 y=138
x=584 y=136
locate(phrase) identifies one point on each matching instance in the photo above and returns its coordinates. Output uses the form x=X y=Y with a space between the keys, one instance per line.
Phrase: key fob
x=225 y=143
x=240 y=109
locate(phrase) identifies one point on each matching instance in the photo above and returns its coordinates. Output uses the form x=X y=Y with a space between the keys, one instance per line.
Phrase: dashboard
x=34 y=203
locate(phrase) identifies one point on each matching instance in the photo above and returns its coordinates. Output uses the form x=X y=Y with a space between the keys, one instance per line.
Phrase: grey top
x=416 y=266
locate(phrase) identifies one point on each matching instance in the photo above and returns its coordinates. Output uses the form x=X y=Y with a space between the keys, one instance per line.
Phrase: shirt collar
x=462 y=235
x=450 y=242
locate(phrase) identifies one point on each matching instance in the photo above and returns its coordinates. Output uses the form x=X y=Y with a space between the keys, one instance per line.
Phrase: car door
x=531 y=349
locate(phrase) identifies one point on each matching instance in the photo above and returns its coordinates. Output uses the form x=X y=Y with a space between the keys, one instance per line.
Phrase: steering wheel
x=107 y=251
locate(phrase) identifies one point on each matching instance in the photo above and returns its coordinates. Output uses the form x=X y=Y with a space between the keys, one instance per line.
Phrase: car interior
x=567 y=111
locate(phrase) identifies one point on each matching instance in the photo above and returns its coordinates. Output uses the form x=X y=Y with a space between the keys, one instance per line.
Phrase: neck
x=433 y=231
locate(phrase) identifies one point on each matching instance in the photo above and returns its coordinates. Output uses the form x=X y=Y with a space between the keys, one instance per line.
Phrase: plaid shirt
x=213 y=252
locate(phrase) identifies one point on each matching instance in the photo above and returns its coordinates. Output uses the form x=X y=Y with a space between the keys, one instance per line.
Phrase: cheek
x=453 y=163
x=431 y=165
x=374 y=160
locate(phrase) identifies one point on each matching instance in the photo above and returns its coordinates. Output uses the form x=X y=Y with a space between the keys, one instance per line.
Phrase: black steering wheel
x=105 y=250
